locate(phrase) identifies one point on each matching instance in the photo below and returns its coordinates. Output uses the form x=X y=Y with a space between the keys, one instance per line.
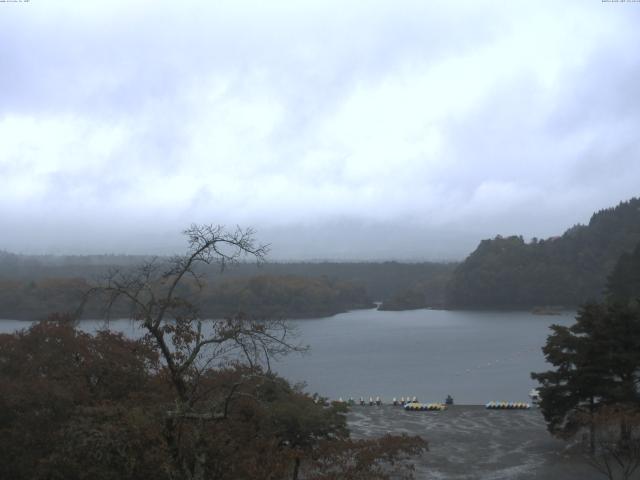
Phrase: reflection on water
x=474 y=356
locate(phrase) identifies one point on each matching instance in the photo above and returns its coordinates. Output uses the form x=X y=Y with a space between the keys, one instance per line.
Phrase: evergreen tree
x=623 y=284
x=597 y=363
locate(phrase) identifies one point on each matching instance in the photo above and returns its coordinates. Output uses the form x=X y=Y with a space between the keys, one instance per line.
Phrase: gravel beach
x=471 y=442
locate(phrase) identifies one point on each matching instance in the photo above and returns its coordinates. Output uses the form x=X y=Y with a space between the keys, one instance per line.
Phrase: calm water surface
x=474 y=356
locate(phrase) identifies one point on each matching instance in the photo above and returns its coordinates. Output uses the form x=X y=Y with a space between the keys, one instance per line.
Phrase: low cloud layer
x=405 y=130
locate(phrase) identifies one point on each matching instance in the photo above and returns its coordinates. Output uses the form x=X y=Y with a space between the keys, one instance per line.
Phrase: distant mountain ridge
x=507 y=272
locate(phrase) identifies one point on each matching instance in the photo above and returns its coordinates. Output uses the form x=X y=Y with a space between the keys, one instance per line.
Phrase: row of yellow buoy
x=508 y=405
x=424 y=406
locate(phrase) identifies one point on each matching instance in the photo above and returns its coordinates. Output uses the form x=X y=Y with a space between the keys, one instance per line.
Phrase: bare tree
x=158 y=293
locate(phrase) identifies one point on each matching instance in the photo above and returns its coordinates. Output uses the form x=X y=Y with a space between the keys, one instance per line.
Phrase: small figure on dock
x=449 y=400
x=378 y=401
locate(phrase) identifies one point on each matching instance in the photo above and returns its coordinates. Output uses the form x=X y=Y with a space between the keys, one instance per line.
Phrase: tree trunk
x=624 y=443
x=592 y=427
x=200 y=459
x=177 y=464
x=296 y=468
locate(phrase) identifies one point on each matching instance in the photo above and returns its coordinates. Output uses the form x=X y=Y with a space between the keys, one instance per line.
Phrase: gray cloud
x=388 y=130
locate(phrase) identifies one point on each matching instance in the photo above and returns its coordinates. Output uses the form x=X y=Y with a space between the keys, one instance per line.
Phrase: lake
x=473 y=356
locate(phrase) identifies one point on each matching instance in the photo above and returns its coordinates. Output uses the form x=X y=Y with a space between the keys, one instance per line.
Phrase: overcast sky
x=339 y=130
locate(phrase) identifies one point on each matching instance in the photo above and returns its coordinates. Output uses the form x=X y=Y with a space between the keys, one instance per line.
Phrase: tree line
x=263 y=296
x=32 y=286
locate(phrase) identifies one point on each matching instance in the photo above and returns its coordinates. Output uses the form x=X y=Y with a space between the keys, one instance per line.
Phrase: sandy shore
x=470 y=442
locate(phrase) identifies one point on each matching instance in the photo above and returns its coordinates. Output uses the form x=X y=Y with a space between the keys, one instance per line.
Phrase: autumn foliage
x=81 y=406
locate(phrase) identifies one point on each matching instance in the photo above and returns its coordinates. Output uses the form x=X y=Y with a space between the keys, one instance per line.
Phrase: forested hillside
x=264 y=296
x=268 y=296
x=33 y=286
x=623 y=285
x=427 y=293
x=508 y=272
x=382 y=280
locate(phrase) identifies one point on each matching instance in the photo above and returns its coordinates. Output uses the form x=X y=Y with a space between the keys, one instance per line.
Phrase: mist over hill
x=503 y=272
